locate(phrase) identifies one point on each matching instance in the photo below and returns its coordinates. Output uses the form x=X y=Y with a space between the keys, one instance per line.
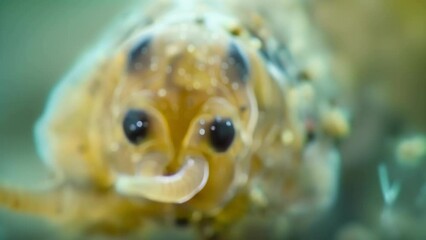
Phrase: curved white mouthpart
x=177 y=188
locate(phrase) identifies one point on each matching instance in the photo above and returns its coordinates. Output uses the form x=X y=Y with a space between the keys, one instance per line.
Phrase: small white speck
x=139 y=124
x=202 y=131
x=162 y=92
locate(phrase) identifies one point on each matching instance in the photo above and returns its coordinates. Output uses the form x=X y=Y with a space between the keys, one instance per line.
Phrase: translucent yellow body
x=191 y=67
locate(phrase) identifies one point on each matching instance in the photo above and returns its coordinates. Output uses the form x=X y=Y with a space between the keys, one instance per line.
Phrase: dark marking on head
x=139 y=55
x=238 y=63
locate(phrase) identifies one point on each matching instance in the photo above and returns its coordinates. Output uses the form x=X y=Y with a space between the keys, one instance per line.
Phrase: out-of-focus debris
x=390 y=190
x=411 y=151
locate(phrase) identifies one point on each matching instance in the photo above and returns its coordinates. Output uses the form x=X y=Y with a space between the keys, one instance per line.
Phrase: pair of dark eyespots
x=239 y=66
x=137 y=123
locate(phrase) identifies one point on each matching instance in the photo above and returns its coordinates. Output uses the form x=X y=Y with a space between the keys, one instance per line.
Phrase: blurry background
x=380 y=57
x=39 y=42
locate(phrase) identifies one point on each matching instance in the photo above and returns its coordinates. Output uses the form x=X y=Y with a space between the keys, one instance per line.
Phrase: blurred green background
x=39 y=42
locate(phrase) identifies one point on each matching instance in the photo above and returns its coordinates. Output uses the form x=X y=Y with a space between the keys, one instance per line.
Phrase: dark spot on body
x=236 y=30
x=182 y=222
x=243 y=108
x=139 y=55
x=310 y=136
x=238 y=63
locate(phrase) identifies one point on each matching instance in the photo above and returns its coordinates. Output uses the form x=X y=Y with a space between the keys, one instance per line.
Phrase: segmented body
x=187 y=73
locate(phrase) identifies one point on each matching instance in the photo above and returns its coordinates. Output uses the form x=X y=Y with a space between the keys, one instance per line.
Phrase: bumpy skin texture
x=185 y=69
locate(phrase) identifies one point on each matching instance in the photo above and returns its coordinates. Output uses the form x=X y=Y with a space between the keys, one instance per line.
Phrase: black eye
x=136 y=125
x=222 y=134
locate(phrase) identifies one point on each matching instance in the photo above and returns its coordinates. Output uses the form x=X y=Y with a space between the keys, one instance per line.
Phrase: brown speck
x=305 y=75
x=243 y=108
x=236 y=30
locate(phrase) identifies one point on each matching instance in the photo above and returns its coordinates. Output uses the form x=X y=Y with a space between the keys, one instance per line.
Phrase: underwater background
x=379 y=56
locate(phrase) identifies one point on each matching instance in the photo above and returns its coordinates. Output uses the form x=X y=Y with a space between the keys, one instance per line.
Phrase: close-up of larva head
x=168 y=113
x=212 y=119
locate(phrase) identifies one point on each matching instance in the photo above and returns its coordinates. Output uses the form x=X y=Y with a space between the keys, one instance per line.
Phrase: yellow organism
x=194 y=113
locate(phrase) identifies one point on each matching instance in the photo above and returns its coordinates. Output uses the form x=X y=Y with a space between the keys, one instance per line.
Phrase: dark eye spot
x=138 y=56
x=222 y=134
x=238 y=63
x=136 y=125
